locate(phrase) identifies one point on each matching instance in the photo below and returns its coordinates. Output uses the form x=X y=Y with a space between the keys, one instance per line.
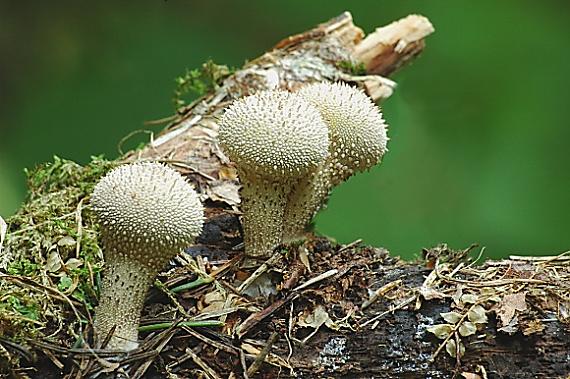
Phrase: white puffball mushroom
x=147 y=212
x=358 y=139
x=275 y=139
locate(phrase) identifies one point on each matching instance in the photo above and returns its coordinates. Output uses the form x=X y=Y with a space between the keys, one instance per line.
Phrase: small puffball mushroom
x=358 y=139
x=275 y=139
x=147 y=213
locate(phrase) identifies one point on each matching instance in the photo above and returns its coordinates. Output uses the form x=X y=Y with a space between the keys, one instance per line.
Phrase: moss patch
x=199 y=81
x=51 y=258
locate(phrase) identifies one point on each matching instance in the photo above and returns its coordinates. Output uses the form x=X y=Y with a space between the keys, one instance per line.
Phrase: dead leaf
x=73 y=263
x=212 y=302
x=457 y=295
x=441 y=331
x=66 y=241
x=512 y=327
x=469 y=298
x=451 y=317
x=227 y=173
x=467 y=328
x=451 y=348
x=427 y=290
x=490 y=294
x=227 y=192
x=54 y=261
x=534 y=326
x=470 y=375
x=314 y=319
x=509 y=305
x=429 y=293
x=477 y=315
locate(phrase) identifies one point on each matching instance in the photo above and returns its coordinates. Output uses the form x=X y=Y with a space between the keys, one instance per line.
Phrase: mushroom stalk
x=275 y=139
x=113 y=310
x=357 y=135
x=264 y=204
x=305 y=200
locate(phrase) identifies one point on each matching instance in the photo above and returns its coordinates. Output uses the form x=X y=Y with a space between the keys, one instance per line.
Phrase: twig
x=183 y=164
x=132 y=134
x=350 y=245
x=392 y=309
x=181 y=128
x=543 y=259
x=255 y=318
x=79 y=222
x=207 y=369
x=262 y=269
x=160 y=120
x=243 y=363
x=262 y=354
x=227 y=347
x=143 y=367
x=380 y=292
x=316 y=279
x=492 y=283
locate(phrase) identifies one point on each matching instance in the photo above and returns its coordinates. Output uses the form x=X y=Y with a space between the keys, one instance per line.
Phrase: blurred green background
x=479 y=123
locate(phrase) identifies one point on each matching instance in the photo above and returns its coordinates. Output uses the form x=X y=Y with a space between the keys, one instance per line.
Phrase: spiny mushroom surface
x=147 y=213
x=358 y=139
x=275 y=139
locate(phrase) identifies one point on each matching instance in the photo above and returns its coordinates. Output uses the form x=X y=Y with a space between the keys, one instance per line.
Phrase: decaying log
x=338 y=311
x=397 y=346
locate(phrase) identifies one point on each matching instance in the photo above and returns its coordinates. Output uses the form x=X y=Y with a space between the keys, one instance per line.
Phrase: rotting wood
x=325 y=331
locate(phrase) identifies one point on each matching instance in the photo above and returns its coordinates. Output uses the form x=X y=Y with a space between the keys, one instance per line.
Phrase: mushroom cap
x=274 y=133
x=147 y=212
x=357 y=131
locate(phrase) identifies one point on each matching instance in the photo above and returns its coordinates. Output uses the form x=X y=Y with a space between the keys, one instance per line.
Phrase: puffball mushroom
x=358 y=139
x=275 y=139
x=147 y=213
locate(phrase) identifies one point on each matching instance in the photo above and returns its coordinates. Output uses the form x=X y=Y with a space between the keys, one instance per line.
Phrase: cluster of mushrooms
x=290 y=150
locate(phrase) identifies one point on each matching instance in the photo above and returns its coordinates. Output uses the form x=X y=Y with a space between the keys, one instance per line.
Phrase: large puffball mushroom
x=358 y=141
x=275 y=139
x=147 y=213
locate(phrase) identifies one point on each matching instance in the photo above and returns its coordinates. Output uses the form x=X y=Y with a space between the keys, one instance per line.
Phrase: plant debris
x=207 y=315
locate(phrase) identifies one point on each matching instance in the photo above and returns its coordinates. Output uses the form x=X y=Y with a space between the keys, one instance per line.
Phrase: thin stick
x=257 y=273
x=262 y=354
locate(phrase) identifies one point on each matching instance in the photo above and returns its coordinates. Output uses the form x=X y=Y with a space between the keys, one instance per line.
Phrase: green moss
x=353 y=68
x=199 y=81
x=27 y=309
x=22 y=267
x=51 y=250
